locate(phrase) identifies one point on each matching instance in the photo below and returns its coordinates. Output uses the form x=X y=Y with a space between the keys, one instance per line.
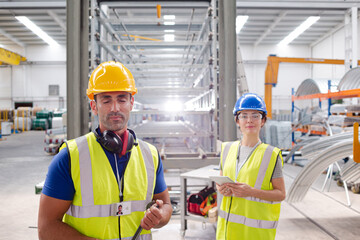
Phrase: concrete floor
x=23 y=163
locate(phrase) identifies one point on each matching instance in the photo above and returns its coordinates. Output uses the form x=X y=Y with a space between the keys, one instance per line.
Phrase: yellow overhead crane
x=10 y=58
x=272 y=70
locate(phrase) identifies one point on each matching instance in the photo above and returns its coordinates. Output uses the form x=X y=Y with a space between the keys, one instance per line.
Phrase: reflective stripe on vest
x=255 y=223
x=149 y=165
x=225 y=153
x=88 y=209
x=140 y=237
x=264 y=166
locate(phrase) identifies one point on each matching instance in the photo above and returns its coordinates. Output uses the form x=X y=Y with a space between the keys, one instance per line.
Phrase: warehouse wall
x=333 y=47
x=30 y=83
x=290 y=74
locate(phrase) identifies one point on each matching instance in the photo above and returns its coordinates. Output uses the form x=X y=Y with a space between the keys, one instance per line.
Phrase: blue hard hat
x=249 y=101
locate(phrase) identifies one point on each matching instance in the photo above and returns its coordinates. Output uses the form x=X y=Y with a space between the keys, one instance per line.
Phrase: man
x=95 y=173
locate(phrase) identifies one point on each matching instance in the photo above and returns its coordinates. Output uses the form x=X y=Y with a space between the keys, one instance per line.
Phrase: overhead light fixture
x=35 y=29
x=240 y=22
x=299 y=30
x=169 y=37
x=173 y=105
x=169 y=17
x=169 y=30
x=169 y=23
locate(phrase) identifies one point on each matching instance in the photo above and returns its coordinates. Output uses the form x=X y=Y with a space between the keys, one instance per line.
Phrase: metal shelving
x=185 y=68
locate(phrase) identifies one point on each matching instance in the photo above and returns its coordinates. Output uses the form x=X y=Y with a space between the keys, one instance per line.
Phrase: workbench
x=200 y=174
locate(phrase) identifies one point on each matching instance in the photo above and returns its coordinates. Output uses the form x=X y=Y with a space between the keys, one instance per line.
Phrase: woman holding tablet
x=250 y=208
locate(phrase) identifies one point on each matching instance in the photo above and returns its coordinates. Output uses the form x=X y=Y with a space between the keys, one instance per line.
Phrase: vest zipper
x=119 y=229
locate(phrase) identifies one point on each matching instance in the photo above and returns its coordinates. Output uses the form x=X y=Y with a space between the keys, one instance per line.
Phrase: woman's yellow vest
x=249 y=217
x=93 y=210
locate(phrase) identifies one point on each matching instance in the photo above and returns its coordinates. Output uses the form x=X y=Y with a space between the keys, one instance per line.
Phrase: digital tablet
x=221 y=179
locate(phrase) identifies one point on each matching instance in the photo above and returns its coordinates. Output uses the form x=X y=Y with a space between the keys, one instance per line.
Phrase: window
x=54 y=90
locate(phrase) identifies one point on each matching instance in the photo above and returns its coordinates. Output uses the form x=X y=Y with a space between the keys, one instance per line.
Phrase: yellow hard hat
x=111 y=77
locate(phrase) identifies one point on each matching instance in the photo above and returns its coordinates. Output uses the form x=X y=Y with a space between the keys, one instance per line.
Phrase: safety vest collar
x=255 y=223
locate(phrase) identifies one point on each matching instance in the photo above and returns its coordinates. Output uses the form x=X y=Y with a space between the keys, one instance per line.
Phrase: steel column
x=227 y=62
x=77 y=67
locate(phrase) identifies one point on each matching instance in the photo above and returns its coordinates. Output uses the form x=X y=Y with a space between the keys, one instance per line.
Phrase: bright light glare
x=35 y=29
x=240 y=22
x=169 y=37
x=169 y=30
x=299 y=30
x=169 y=17
x=169 y=23
x=174 y=106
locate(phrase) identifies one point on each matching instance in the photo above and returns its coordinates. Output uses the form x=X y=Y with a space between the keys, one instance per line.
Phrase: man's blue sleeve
x=58 y=183
x=160 y=184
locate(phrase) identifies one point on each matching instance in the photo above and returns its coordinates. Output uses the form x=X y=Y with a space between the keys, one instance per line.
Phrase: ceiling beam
x=33 y=5
x=58 y=20
x=319 y=5
x=271 y=27
x=161 y=44
x=9 y=36
x=152 y=4
x=331 y=32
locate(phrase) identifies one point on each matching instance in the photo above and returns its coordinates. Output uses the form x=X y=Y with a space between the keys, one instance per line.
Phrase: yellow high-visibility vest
x=94 y=207
x=249 y=217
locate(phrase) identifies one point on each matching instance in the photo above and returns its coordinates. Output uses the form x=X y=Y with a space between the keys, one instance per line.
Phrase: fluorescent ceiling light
x=169 y=30
x=169 y=37
x=299 y=30
x=240 y=21
x=169 y=17
x=169 y=23
x=35 y=29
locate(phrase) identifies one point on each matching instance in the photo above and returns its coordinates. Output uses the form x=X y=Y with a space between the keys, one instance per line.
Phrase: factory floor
x=23 y=164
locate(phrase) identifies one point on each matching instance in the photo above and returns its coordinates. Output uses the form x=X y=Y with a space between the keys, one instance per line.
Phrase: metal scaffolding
x=183 y=68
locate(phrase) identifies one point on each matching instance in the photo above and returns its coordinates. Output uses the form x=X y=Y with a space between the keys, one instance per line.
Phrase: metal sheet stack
x=350 y=173
x=278 y=133
x=321 y=154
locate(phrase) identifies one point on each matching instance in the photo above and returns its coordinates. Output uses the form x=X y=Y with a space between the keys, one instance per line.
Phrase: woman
x=250 y=207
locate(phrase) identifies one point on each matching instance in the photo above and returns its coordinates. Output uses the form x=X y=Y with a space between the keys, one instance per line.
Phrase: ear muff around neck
x=115 y=144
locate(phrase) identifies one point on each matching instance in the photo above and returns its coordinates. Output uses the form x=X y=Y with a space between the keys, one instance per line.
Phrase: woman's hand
x=224 y=189
x=240 y=189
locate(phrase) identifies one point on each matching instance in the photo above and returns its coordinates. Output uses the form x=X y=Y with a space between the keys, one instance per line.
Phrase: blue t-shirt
x=59 y=184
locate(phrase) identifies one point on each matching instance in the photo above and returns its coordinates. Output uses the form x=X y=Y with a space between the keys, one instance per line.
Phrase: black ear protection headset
x=113 y=143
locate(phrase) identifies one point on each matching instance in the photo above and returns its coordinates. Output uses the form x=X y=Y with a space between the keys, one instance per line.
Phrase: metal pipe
x=354 y=22
x=73 y=69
